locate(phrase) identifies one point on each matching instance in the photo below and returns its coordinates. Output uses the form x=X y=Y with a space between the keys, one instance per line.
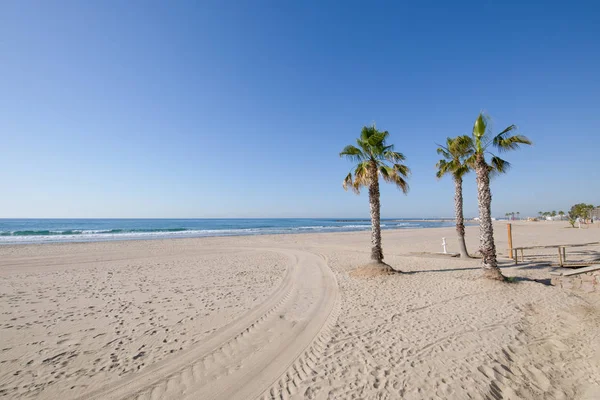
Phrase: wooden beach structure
x=559 y=251
x=550 y=251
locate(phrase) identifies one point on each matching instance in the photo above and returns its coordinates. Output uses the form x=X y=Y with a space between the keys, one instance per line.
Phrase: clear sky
x=240 y=108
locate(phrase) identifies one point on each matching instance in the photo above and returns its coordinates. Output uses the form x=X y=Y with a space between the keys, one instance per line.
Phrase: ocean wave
x=70 y=232
x=92 y=235
x=185 y=231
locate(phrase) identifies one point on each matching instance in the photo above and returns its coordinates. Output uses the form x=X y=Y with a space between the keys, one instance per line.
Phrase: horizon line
x=185 y=218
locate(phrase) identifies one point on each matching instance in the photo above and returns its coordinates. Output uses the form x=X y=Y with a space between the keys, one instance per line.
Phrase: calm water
x=87 y=230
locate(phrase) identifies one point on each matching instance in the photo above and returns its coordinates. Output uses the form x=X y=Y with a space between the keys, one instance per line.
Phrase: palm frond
x=455 y=153
x=361 y=176
x=353 y=153
x=461 y=171
x=386 y=172
x=481 y=132
x=462 y=145
x=394 y=156
x=402 y=170
x=442 y=168
x=358 y=180
x=480 y=126
x=378 y=139
x=503 y=135
x=508 y=129
x=510 y=143
x=372 y=151
x=364 y=146
x=395 y=176
x=444 y=152
x=402 y=184
x=470 y=161
x=367 y=132
x=498 y=166
x=347 y=181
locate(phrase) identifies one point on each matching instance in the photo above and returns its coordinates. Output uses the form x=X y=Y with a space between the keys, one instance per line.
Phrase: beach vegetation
x=484 y=141
x=455 y=153
x=375 y=158
x=581 y=211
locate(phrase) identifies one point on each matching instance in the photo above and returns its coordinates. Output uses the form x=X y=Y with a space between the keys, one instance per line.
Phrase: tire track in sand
x=260 y=354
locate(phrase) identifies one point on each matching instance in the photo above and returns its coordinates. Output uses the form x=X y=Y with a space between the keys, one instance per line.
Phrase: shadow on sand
x=513 y=279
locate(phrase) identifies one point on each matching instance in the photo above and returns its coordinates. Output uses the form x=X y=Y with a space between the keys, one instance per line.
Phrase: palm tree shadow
x=511 y=279
x=528 y=265
x=441 y=270
x=517 y=279
x=388 y=268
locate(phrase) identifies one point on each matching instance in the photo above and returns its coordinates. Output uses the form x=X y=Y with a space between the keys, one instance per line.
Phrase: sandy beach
x=288 y=316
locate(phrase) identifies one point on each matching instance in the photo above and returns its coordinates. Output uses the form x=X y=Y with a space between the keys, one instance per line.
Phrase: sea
x=15 y=231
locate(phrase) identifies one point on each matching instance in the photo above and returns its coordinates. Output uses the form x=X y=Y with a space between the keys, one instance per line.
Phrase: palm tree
x=518 y=215
x=504 y=141
x=371 y=153
x=455 y=153
x=561 y=213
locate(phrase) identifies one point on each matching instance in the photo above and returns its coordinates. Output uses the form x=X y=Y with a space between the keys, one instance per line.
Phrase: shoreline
x=194 y=234
x=469 y=224
x=265 y=235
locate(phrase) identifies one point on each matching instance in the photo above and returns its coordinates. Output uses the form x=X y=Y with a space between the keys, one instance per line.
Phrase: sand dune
x=283 y=317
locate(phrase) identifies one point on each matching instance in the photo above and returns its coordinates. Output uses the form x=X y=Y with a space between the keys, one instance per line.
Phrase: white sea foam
x=93 y=235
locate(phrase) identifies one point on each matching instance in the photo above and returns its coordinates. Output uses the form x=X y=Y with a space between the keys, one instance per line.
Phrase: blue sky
x=239 y=109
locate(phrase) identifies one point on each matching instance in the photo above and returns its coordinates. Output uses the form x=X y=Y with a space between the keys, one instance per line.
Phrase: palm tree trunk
x=376 y=250
x=460 y=220
x=487 y=247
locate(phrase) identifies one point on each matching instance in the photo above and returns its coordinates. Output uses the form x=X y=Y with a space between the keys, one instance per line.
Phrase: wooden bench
x=562 y=254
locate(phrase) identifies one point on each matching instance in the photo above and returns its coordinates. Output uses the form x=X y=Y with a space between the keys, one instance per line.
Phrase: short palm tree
x=372 y=155
x=484 y=141
x=456 y=151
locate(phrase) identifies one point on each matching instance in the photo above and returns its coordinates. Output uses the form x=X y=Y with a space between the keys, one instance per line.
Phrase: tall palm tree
x=561 y=213
x=518 y=215
x=484 y=141
x=372 y=155
x=456 y=151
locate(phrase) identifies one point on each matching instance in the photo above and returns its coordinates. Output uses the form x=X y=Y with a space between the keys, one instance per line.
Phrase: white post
x=444 y=245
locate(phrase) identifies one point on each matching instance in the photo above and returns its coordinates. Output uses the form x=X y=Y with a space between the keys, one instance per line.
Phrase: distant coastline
x=405 y=220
